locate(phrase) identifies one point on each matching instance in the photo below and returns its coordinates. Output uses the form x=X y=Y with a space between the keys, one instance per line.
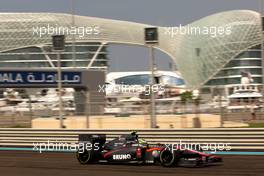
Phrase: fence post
x=87 y=112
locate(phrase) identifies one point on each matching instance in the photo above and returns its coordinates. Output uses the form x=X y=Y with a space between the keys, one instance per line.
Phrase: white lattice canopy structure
x=198 y=57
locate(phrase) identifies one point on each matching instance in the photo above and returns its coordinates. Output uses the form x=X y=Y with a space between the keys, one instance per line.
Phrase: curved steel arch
x=17 y=30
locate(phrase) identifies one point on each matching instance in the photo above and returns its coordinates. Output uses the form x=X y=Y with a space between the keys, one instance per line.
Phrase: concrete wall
x=131 y=122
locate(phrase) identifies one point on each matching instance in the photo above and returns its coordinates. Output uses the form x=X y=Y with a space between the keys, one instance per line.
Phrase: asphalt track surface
x=21 y=163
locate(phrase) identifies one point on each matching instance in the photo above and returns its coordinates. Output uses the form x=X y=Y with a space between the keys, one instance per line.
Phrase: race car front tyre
x=85 y=157
x=168 y=159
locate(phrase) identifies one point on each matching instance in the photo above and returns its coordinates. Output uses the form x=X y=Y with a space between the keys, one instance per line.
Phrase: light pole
x=152 y=94
x=262 y=49
x=196 y=99
x=73 y=36
x=88 y=110
x=151 y=39
x=60 y=88
x=58 y=42
x=220 y=108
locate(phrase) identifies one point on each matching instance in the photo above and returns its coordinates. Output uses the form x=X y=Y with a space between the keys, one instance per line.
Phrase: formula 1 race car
x=130 y=149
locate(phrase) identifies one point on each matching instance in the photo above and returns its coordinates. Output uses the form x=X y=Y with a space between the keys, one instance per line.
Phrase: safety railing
x=236 y=138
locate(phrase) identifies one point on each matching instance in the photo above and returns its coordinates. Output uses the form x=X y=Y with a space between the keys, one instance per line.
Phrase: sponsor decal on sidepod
x=122 y=157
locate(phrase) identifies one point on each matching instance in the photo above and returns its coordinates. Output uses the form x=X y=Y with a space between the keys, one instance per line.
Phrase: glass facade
x=248 y=61
x=39 y=57
x=203 y=59
x=26 y=38
x=134 y=80
x=144 y=79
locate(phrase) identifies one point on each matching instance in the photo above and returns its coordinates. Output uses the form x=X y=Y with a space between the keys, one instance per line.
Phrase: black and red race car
x=130 y=149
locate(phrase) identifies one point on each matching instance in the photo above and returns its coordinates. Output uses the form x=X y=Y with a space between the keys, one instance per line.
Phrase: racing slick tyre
x=168 y=159
x=85 y=157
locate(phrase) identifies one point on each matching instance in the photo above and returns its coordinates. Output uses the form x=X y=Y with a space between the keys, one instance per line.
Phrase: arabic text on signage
x=35 y=77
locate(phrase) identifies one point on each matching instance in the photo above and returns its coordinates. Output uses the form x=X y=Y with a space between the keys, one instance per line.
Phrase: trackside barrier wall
x=237 y=138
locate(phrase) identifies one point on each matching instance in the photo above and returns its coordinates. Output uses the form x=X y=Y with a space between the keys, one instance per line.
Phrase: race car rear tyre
x=85 y=157
x=168 y=159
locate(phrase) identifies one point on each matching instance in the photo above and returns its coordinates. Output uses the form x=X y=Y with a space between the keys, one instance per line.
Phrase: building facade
x=203 y=58
x=26 y=42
